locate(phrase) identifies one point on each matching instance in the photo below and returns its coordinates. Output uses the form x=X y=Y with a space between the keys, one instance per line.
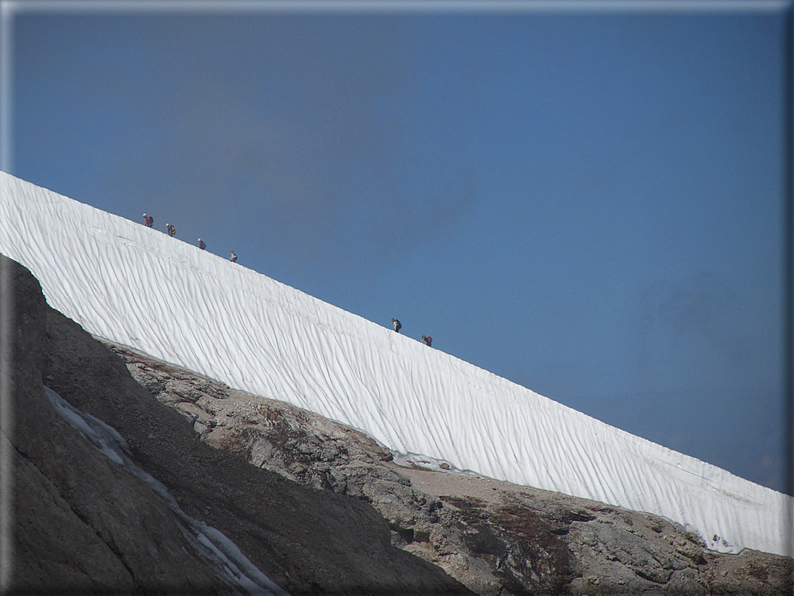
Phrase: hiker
x=170 y=229
x=202 y=245
x=233 y=258
x=148 y=220
x=427 y=339
x=397 y=325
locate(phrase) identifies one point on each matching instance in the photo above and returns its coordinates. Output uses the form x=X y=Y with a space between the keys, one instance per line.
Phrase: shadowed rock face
x=316 y=506
x=83 y=523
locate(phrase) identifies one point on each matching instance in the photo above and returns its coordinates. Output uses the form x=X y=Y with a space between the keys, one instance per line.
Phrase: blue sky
x=588 y=203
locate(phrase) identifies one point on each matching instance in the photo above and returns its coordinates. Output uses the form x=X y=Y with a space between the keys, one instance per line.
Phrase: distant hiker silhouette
x=397 y=325
x=427 y=339
x=233 y=258
x=171 y=230
x=148 y=220
x=202 y=245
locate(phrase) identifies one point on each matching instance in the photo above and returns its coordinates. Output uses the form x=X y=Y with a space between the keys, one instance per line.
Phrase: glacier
x=136 y=286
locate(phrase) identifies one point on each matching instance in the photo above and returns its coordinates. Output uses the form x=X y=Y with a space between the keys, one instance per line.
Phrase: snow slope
x=138 y=287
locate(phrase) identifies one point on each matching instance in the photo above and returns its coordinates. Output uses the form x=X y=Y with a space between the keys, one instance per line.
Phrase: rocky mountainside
x=317 y=507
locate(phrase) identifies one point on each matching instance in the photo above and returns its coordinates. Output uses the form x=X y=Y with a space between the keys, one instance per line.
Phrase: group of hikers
x=170 y=229
x=397 y=326
x=148 y=221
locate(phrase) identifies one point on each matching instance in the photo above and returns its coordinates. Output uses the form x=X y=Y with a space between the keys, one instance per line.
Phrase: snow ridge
x=138 y=287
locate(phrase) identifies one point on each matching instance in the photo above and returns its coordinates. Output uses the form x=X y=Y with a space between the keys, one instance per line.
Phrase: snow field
x=136 y=286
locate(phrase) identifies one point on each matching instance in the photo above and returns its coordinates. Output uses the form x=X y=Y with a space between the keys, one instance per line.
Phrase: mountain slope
x=138 y=287
x=209 y=524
